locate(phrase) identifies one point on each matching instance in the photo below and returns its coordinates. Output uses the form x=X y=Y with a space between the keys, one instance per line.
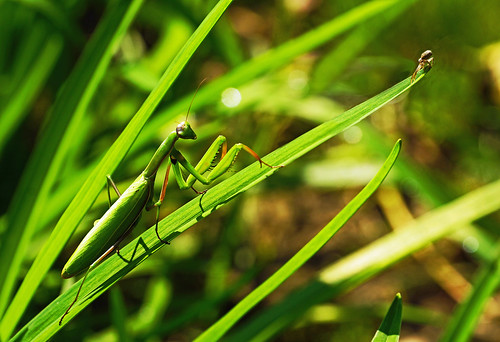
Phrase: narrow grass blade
x=217 y=330
x=465 y=318
x=428 y=186
x=94 y=183
x=112 y=269
x=363 y=264
x=45 y=162
x=276 y=57
x=58 y=17
x=14 y=111
x=335 y=62
x=391 y=325
x=119 y=315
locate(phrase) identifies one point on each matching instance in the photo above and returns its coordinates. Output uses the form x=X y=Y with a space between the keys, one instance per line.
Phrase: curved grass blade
x=369 y=261
x=391 y=325
x=277 y=57
x=44 y=54
x=94 y=183
x=464 y=320
x=58 y=17
x=113 y=268
x=384 y=11
x=217 y=330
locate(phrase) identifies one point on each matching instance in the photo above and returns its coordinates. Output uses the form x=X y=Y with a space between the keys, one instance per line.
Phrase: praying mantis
x=121 y=217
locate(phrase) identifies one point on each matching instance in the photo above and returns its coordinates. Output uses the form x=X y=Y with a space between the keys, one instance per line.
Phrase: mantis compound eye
x=184 y=131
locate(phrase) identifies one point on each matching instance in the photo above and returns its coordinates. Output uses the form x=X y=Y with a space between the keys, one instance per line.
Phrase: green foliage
x=91 y=88
x=391 y=325
x=216 y=331
x=176 y=223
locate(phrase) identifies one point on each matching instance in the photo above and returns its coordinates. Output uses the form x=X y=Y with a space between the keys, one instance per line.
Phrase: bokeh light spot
x=231 y=97
x=470 y=244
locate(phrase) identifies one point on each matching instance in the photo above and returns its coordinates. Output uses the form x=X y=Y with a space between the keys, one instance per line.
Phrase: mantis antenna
x=192 y=100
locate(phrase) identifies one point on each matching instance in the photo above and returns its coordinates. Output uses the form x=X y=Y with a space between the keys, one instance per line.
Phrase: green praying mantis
x=121 y=217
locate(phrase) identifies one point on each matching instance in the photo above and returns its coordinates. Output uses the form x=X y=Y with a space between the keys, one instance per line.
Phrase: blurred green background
x=449 y=123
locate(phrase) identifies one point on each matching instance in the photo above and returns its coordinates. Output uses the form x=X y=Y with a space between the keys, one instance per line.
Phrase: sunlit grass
x=296 y=71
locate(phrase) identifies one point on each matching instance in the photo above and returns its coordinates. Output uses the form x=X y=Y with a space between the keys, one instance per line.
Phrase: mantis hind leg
x=110 y=249
x=114 y=247
x=158 y=203
x=77 y=294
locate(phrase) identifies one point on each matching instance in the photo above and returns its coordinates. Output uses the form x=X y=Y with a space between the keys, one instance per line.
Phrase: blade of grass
x=119 y=315
x=58 y=17
x=217 y=330
x=275 y=58
x=391 y=325
x=373 y=259
x=15 y=109
x=464 y=320
x=45 y=163
x=45 y=324
x=288 y=51
x=92 y=186
x=335 y=62
x=435 y=191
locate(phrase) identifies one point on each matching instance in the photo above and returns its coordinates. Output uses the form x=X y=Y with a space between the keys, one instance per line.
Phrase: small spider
x=425 y=60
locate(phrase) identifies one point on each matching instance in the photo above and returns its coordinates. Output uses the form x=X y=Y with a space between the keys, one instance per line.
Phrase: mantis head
x=184 y=131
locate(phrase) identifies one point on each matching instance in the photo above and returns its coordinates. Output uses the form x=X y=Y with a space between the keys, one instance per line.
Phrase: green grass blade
x=92 y=186
x=113 y=268
x=16 y=108
x=375 y=258
x=464 y=319
x=334 y=63
x=289 y=50
x=58 y=17
x=276 y=57
x=391 y=325
x=217 y=330
x=118 y=312
x=432 y=189
x=50 y=151
x=415 y=235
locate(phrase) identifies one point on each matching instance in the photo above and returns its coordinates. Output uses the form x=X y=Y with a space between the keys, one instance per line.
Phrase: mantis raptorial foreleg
x=196 y=173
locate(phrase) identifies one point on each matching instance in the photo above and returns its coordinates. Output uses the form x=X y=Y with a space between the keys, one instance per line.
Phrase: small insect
x=123 y=215
x=425 y=60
